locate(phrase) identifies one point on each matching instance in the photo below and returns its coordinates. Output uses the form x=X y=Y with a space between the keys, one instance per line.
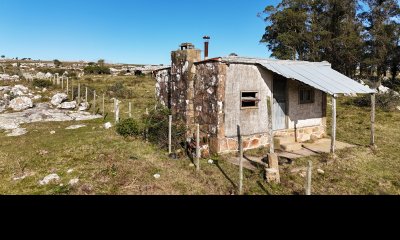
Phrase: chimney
x=206 y=44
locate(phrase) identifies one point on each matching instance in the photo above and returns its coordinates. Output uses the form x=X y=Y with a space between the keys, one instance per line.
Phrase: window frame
x=256 y=100
x=312 y=95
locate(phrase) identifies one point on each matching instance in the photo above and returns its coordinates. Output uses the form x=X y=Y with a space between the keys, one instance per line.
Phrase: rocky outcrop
x=19 y=90
x=17 y=132
x=84 y=106
x=58 y=99
x=68 y=105
x=21 y=103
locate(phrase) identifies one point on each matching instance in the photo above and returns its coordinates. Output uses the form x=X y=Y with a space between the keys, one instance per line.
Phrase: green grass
x=107 y=163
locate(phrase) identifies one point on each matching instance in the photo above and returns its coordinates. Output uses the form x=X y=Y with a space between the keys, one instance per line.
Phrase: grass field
x=106 y=163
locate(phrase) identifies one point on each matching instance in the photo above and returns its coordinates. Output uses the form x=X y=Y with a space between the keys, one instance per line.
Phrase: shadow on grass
x=225 y=175
x=263 y=188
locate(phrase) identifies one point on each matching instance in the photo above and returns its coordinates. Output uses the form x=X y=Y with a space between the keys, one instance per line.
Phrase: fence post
x=198 y=147
x=240 y=141
x=104 y=113
x=147 y=129
x=62 y=83
x=116 y=111
x=94 y=101
x=130 y=110
x=67 y=86
x=79 y=93
x=309 y=177
x=86 y=95
x=170 y=135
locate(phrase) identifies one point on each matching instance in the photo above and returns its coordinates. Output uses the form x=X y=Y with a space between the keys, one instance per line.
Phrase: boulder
x=21 y=103
x=73 y=182
x=19 y=90
x=84 y=106
x=398 y=108
x=108 y=125
x=49 y=178
x=67 y=105
x=58 y=99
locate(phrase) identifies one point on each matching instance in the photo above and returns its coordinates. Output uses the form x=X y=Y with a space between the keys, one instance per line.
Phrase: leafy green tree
x=3 y=56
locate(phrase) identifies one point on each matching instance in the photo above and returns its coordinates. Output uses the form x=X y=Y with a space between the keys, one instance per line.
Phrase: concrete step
x=291 y=147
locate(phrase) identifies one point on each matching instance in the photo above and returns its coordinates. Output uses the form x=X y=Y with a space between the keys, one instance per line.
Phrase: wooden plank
x=373 y=106
x=333 y=140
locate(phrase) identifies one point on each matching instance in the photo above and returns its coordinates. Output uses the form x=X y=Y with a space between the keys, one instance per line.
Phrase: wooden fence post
x=94 y=101
x=104 y=113
x=170 y=135
x=67 y=86
x=373 y=106
x=86 y=95
x=130 y=110
x=62 y=83
x=198 y=147
x=309 y=178
x=79 y=93
x=147 y=130
x=116 y=111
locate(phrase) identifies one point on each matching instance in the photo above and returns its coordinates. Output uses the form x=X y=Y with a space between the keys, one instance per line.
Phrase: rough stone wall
x=162 y=87
x=182 y=83
x=209 y=94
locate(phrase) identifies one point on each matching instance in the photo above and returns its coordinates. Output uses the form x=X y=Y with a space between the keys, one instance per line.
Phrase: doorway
x=280 y=103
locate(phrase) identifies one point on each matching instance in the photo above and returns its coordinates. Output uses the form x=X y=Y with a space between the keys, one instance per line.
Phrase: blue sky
x=128 y=31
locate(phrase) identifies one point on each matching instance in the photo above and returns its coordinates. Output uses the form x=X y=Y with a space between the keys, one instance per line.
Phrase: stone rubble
x=49 y=178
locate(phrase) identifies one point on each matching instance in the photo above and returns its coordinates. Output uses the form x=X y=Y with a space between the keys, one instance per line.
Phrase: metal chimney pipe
x=206 y=44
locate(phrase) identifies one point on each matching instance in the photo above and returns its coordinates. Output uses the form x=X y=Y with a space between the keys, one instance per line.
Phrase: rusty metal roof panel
x=319 y=75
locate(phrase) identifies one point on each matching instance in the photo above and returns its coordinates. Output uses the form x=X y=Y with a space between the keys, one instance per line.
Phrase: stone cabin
x=223 y=93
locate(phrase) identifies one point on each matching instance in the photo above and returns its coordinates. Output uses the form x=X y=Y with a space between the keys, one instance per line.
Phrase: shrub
x=120 y=91
x=95 y=69
x=386 y=101
x=130 y=128
x=42 y=83
x=158 y=125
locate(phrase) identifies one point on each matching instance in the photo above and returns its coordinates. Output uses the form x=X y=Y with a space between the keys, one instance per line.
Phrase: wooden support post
x=116 y=111
x=198 y=147
x=333 y=137
x=103 y=109
x=309 y=178
x=240 y=141
x=130 y=110
x=373 y=106
x=270 y=105
x=72 y=93
x=170 y=135
x=62 y=83
x=94 y=102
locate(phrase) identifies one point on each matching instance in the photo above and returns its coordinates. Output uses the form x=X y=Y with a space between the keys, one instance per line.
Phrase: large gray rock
x=21 y=103
x=58 y=99
x=49 y=178
x=84 y=106
x=67 y=105
x=19 y=90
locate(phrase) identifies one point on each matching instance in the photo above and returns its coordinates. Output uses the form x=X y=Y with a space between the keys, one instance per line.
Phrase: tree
x=57 y=63
x=380 y=37
x=3 y=56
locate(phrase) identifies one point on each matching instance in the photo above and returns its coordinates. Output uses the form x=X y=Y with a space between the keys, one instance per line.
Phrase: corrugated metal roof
x=319 y=75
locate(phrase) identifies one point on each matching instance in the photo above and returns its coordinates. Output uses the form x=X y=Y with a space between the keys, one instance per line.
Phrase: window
x=306 y=95
x=250 y=99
